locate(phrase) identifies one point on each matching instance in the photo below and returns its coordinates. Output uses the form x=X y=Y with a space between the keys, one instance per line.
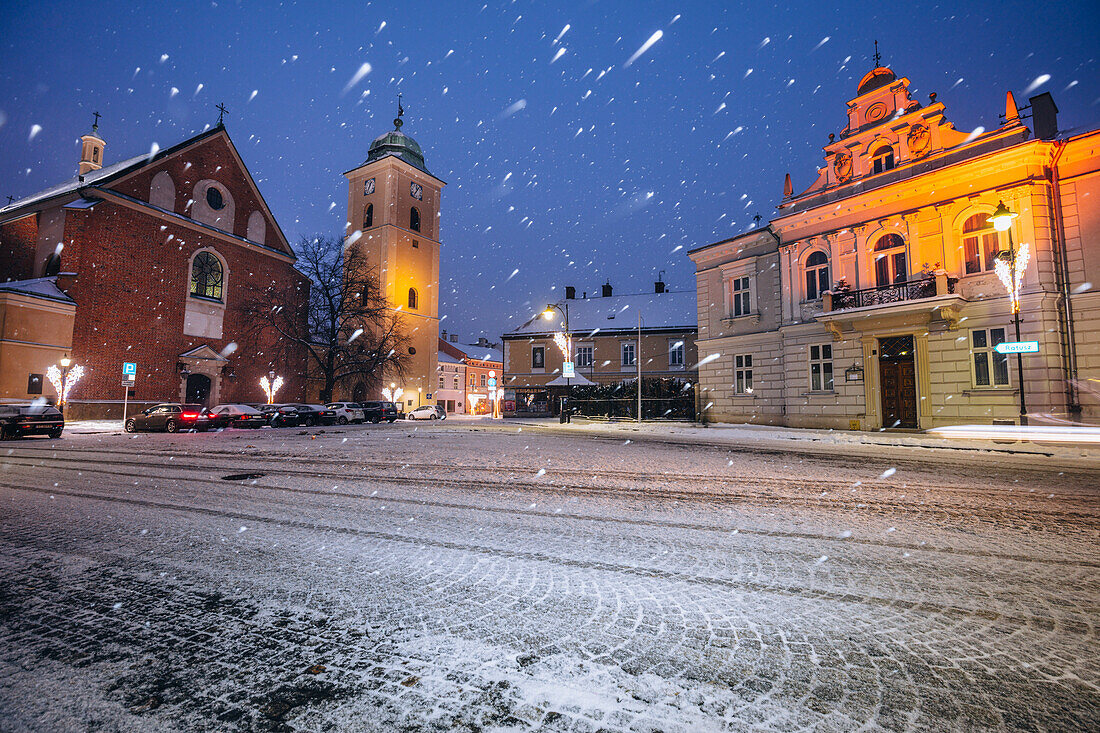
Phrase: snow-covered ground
x=477 y=575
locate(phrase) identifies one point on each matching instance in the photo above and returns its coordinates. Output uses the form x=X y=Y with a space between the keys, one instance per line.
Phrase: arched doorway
x=198 y=389
x=359 y=394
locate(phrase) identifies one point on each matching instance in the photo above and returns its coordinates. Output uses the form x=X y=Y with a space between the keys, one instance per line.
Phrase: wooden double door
x=898 y=382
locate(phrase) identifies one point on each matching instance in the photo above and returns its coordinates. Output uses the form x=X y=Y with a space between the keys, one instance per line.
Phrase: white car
x=428 y=412
x=347 y=412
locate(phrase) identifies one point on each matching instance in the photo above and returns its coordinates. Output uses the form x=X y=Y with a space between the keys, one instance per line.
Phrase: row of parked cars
x=173 y=417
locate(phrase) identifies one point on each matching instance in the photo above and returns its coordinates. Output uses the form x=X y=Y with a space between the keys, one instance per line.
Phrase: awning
x=577 y=381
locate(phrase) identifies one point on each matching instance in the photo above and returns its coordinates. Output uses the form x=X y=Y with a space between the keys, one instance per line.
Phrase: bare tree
x=349 y=329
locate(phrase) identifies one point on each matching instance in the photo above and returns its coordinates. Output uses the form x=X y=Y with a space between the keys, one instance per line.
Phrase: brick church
x=149 y=260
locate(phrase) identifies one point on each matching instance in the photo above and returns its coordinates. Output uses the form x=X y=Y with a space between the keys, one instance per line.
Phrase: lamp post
x=1010 y=266
x=567 y=350
x=64 y=378
x=271 y=385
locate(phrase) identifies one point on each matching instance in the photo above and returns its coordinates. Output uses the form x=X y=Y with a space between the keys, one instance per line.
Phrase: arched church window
x=890 y=263
x=95 y=155
x=413 y=299
x=214 y=198
x=882 y=159
x=368 y=217
x=414 y=219
x=817 y=275
x=207 y=276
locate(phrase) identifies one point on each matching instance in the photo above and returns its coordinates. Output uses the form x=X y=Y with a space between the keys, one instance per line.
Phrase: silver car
x=347 y=412
x=427 y=412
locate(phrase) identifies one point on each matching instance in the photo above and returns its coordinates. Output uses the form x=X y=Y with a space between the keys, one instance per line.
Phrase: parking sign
x=129 y=367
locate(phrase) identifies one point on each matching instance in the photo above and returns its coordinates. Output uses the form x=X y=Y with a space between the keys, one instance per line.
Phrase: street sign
x=568 y=371
x=1017 y=347
x=129 y=367
x=127 y=383
x=492 y=382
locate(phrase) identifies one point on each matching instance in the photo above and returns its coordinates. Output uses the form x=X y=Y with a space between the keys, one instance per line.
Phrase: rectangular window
x=676 y=354
x=742 y=374
x=821 y=368
x=990 y=368
x=34 y=384
x=981 y=250
x=538 y=357
x=739 y=297
x=441 y=382
x=482 y=380
x=627 y=350
x=584 y=357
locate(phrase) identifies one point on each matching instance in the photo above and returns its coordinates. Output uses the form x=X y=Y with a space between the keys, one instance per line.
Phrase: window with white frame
x=821 y=368
x=742 y=374
x=441 y=382
x=585 y=355
x=538 y=357
x=676 y=354
x=626 y=349
x=981 y=243
x=740 y=297
x=990 y=368
x=817 y=274
x=456 y=382
x=882 y=159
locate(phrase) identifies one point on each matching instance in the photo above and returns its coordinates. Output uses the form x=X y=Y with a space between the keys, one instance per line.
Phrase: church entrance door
x=198 y=389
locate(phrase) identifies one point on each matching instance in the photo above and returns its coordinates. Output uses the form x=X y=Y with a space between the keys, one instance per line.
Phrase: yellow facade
x=388 y=198
x=35 y=332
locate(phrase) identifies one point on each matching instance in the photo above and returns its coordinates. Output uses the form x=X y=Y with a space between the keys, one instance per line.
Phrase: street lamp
x=1010 y=266
x=64 y=378
x=565 y=343
x=271 y=385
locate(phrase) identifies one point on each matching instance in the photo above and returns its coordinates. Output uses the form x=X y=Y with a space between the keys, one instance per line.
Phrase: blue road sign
x=1017 y=347
x=129 y=367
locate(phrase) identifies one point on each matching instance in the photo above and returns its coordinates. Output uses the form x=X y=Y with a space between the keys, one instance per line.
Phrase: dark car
x=310 y=415
x=33 y=419
x=171 y=417
x=235 y=416
x=376 y=412
x=280 y=416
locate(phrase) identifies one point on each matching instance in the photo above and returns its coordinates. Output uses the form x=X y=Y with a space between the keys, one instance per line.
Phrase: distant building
x=611 y=335
x=871 y=301
x=149 y=261
x=481 y=362
x=450 y=392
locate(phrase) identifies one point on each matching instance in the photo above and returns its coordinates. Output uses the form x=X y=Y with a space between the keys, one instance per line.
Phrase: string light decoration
x=271 y=387
x=1012 y=274
x=63 y=380
x=563 y=343
x=392 y=393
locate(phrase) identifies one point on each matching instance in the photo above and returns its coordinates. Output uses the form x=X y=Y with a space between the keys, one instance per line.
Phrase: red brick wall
x=18 y=240
x=131 y=289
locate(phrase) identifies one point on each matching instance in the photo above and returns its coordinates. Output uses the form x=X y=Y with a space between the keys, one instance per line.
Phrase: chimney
x=443 y=335
x=570 y=292
x=659 y=287
x=91 y=150
x=1044 y=116
x=607 y=289
x=482 y=341
x=454 y=338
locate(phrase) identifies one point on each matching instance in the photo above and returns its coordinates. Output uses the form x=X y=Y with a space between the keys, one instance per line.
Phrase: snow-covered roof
x=447 y=358
x=40 y=287
x=481 y=353
x=619 y=313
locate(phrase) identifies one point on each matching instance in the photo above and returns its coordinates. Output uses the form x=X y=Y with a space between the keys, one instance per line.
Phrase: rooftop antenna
x=95 y=125
x=221 y=113
x=397 y=121
x=878 y=56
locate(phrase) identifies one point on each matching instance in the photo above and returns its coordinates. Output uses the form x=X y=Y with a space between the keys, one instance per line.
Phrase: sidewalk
x=849 y=443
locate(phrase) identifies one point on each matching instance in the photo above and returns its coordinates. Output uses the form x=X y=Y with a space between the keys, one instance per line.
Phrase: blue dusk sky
x=581 y=141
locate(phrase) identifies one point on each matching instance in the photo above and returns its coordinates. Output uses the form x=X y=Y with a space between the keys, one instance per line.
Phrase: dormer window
x=882 y=159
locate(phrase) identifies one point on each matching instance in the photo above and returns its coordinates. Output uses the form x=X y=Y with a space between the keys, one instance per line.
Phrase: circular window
x=412 y=349
x=214 y=198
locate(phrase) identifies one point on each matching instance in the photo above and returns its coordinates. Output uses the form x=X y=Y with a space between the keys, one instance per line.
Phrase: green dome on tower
x=399 y=144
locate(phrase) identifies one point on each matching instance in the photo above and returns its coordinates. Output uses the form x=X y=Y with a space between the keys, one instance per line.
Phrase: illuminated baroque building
x=393 y=216
x=871 y=300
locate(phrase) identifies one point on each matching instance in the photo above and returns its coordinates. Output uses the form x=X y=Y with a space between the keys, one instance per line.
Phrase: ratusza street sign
x=1017 y=347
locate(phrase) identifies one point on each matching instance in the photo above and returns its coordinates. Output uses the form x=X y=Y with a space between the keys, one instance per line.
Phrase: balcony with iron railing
x=926 y=287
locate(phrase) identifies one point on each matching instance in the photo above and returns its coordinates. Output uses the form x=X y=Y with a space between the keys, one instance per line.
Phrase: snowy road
x=467 y=577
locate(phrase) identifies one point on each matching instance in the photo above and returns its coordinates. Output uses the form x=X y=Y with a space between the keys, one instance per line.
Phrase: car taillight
x=189 y=415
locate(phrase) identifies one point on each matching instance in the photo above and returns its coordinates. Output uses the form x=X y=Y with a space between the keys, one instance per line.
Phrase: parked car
x=311 y=415
x=376 y=412
x=280 y=416
x=427 y=412
x=171 y=417
x=347 y=412
x=235 y=416
x=31 y=419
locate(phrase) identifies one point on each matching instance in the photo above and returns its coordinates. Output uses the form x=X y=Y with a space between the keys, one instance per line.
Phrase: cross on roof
x=397 y=121
x=878 y=56
x=10 y=199
x=95 y=125
x=221 y=112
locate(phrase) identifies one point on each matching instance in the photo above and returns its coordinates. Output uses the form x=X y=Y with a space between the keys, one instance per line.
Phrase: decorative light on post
x=271 y=385
x=1010 y=266
x=565 y=343
x=64 y=378
x=392 y=393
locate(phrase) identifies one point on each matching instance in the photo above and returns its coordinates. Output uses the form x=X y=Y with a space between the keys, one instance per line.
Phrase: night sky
x=567 y=168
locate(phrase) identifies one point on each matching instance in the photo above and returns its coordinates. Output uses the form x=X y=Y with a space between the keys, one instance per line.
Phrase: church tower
x=393 y=216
